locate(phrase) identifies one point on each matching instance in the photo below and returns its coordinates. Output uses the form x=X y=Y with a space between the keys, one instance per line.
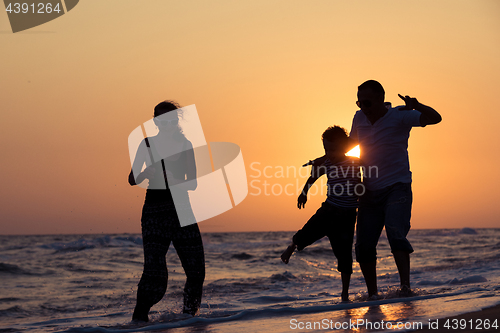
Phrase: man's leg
x=397 y=226
x=346 y=280
x=402 y=259
x=369 y=270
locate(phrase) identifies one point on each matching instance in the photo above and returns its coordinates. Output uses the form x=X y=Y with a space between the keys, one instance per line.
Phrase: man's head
x=335 y=142
x=371 y=97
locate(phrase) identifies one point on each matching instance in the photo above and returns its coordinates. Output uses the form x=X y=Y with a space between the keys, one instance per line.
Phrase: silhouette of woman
x=160 y=222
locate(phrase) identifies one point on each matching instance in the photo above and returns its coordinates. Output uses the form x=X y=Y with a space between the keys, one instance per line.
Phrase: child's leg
x=285 y=256
x=341 y=234
x=313 y=230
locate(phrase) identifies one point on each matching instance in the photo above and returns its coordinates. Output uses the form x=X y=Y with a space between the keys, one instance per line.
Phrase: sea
x=88 y=283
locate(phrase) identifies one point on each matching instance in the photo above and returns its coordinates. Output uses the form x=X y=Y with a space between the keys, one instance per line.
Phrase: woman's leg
x=189 y=247
x=153 y=283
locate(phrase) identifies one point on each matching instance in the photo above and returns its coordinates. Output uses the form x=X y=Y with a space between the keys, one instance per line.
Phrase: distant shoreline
x=214 y=232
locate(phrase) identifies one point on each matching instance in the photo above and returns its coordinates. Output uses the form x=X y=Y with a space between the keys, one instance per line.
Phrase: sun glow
x=353 y=152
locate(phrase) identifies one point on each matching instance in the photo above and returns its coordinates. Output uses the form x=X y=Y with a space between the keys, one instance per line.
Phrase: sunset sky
x=270 y=76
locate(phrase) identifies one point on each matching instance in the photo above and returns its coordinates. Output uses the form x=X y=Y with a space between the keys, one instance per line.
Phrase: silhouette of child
x=336 y=217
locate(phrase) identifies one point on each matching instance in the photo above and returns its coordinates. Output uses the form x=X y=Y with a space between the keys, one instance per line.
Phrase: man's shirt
x=384 y=146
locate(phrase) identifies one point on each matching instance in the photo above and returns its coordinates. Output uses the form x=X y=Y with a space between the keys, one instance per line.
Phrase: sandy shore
x=473 y=322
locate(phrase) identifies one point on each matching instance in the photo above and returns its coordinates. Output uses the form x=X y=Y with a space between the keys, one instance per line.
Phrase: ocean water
x=88 y=283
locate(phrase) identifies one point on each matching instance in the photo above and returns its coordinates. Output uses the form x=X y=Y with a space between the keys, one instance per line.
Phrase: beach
x=88 y=283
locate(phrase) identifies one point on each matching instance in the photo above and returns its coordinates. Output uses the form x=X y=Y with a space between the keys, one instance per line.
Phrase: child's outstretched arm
x=316 y=172
x=316 y=162
x=302 y=199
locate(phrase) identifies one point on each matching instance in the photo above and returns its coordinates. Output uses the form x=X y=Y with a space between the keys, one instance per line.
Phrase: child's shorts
x=338 y=225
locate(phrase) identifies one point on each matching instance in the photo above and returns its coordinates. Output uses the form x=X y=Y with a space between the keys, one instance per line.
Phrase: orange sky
x=267 y=75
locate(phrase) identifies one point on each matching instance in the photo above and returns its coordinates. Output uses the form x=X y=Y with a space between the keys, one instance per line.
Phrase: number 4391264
x=477 y=324
x=39 y=8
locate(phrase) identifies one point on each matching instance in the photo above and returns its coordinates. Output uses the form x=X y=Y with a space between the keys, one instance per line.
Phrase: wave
x=270 y=299
x=242 y=256
x=13 y=269
x=455 y=281
x=15 y=311
x=446 y=232
x=469 y=279
x=8 y=299
x=468 y=231
x=100 y=242
x=286 y=276
x=238 y=286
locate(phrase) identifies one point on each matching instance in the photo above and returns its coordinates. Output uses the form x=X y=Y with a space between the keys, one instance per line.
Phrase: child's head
x=335 y=142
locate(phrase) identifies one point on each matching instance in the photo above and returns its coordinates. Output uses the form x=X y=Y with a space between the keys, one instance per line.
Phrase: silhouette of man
x=382 y=133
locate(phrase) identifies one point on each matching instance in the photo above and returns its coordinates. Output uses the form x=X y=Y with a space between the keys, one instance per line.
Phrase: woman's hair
x=167 y=106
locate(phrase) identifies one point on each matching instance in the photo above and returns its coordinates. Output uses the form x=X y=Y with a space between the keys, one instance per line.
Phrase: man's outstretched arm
x=428 y=116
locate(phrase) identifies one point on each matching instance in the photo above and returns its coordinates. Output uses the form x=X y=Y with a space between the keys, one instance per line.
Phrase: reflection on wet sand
x=373 y=317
